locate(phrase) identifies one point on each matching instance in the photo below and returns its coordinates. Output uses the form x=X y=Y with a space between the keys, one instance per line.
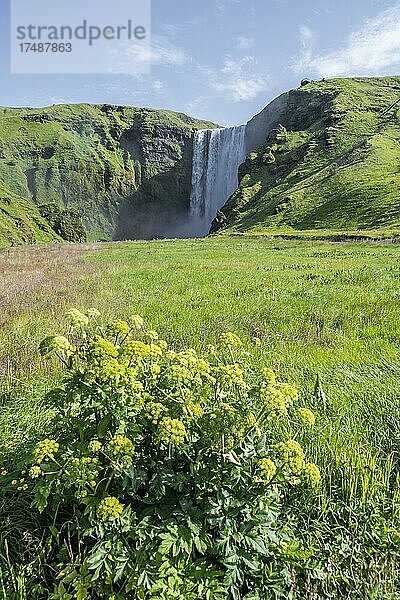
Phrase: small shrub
x=164 y=472
x=268 y=156
x=66 y=222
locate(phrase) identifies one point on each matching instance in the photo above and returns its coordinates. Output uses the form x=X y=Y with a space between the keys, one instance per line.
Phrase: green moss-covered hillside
x=21 y=222
x=124 y=172
x=332 y=163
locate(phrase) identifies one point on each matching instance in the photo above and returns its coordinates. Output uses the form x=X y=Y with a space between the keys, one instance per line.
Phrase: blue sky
x=224 y=60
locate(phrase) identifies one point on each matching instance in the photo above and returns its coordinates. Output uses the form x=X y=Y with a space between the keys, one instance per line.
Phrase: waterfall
x=217 y=154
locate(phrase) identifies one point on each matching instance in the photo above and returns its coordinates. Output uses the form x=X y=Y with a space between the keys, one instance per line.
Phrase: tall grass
x=324 y=309
x=319 y=309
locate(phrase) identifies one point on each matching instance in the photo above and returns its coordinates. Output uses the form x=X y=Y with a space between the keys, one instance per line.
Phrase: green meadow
x=327 y=317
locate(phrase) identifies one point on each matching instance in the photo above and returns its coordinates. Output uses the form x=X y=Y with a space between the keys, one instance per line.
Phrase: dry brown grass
x=37 y=285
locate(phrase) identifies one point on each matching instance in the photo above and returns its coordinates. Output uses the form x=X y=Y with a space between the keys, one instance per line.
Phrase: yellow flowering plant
x=165 y=469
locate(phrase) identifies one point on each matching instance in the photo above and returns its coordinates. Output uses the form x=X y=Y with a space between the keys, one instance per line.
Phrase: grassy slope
x=21 y=223
x=87 y=157
x=337 y=169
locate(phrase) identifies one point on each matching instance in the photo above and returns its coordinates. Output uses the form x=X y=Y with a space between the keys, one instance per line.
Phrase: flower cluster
x=224 y=425
x=268 y=375
x=289 y=392
x=103 y=363
x=35 y=472
x=94 y=445
x=57 y=344
x=230 y=339
x=100 y=349
x=155 y=350
x=77 y=319
x=187 y=368
x=109 y=509
x=136 y=322
x=45 y=450
x=172 y=431
x=311 y=474
x=230 y=376
x=293 y=458
x=273 y=399
x=134 y=350
x=117 y=328
x=192 y=410
x=154 y=370
x=152 y=335
x=306 y=416
x=276 y=397
x=292 y=455
x=93 y=313
x=82 y=473
x=120 y=446
x=267 y=469
x=121 y=449
x=155 y=411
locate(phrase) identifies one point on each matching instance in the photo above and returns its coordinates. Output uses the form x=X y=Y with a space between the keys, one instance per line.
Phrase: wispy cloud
x=131 y=58
x=196 y=104
x=158 y=86
x=239 y=80
x=243 y=43
x=223 y=5
x=307 y=38
x=370 y=50
x=119 y=92
x=163 y=52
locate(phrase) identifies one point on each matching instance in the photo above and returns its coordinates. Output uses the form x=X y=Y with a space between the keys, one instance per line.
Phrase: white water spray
x=217 y=154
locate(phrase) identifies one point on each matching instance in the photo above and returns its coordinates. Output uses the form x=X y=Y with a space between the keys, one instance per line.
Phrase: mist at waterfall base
x=217 y=155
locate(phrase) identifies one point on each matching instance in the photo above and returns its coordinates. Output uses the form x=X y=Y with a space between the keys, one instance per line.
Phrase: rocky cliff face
x=125 y=171
x=298 y=109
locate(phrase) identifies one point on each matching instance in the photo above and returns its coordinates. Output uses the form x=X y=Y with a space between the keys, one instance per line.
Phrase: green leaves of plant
x=103 y=426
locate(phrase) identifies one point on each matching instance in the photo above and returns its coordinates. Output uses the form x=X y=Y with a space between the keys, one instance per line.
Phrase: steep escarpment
x=328 y=157
x=124 y=172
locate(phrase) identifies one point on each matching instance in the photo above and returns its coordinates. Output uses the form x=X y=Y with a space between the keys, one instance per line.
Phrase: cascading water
x=217 y=154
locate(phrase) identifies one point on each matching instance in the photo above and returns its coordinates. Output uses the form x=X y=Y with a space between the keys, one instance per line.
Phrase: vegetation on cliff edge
x=333 y=164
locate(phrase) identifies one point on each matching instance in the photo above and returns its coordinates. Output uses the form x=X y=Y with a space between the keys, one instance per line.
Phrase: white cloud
x=239 y=80
x=158 y=85
x=243 y=43
x=371 y=50
x=163 y=52
x=307 y=38
x=170 y=29
x=195 y=104
x=133 y=58
x=223 y=5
